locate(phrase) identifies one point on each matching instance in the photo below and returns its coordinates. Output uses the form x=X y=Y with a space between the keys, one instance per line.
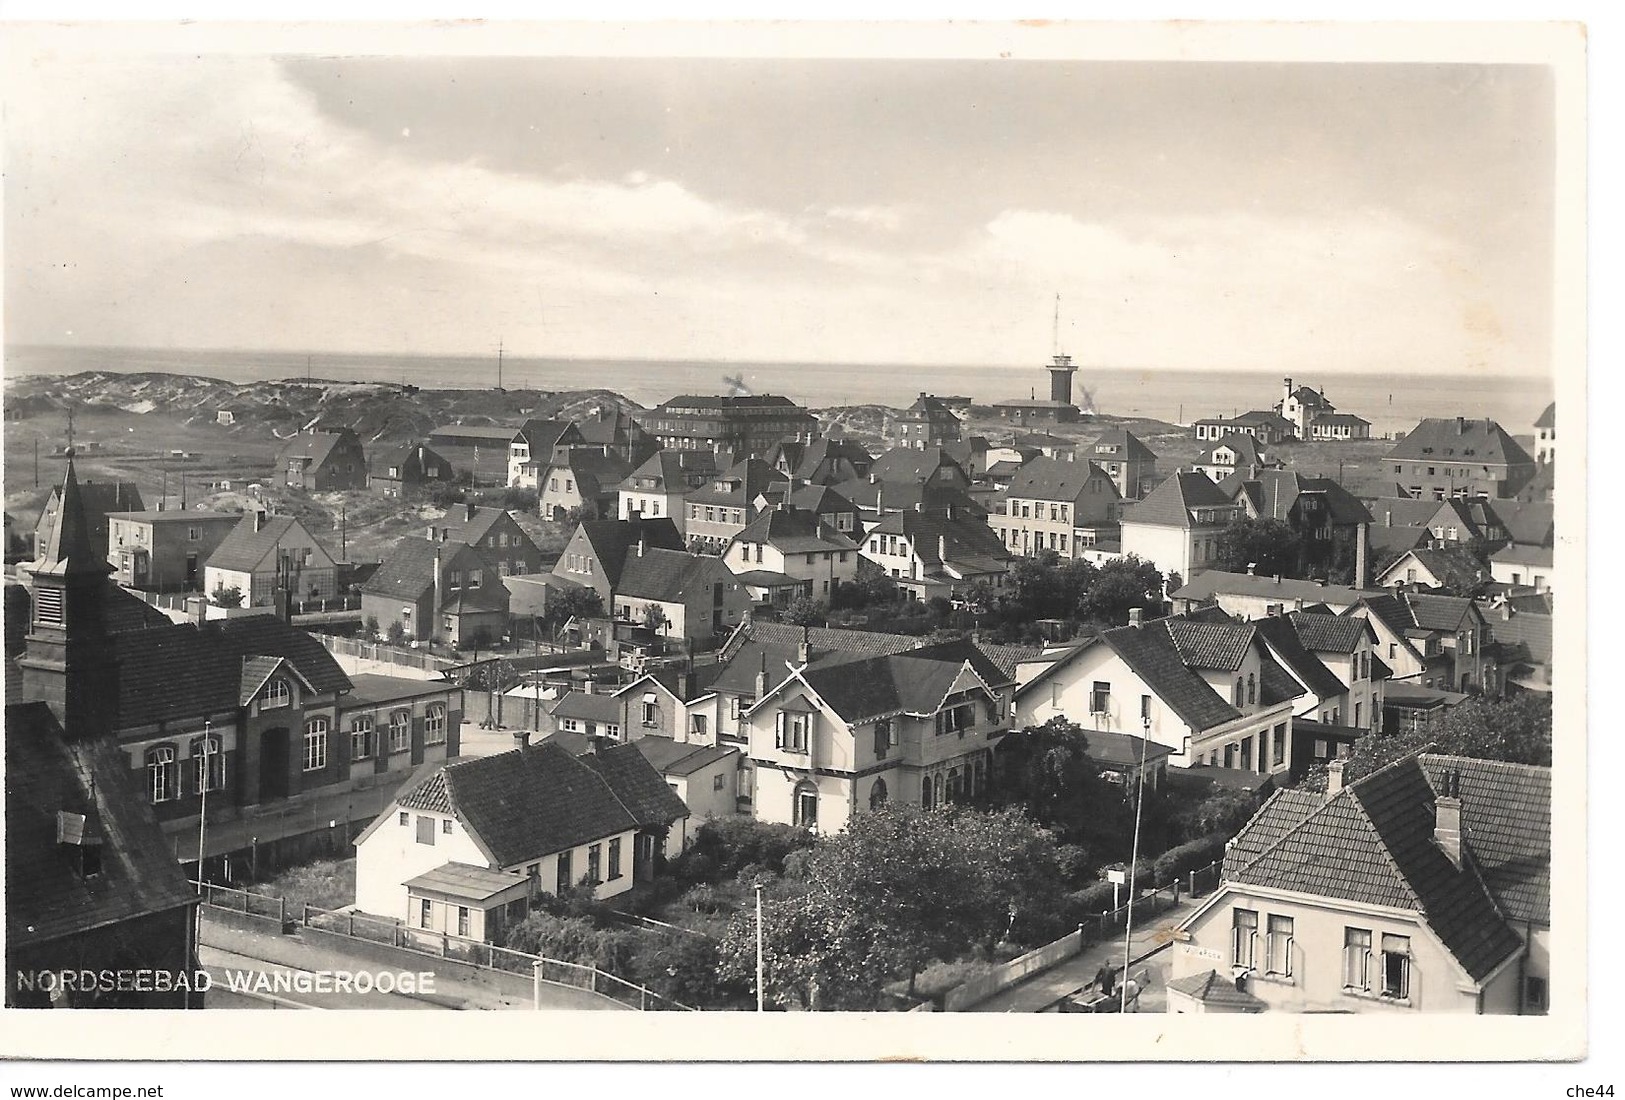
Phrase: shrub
x=1191 y=856
x=683 y=967
x=724 y=847
x=325 y=884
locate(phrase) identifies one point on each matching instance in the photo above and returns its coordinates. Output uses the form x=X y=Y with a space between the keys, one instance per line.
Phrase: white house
x=1207 y=691
x=1529 y=566
x=537 y=813
x=1177 y=526
x=705 y=777
x=798 y=545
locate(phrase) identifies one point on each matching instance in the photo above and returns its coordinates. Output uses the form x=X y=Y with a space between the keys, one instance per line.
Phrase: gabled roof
x=794 y=531
x=1170 y=504
x=670 y=757
x=905 y=464
x=1125 y=447
x=1483 y=441
x=1396 y=540
x=46 y=774
x=1506 y=812
x=1288 y=648
x=1548 y=418
x=1213 y=645
x=1527 y=522
x=1052 y=479
x=1246 y=451
x=674 y=471
x=597 y=474
x=1274 y=493
x=470 y=525
x=1311 y=399
x=1530 y=632
x=315 y=447
x=820 y=499
x=1210 y=989
x=212 y=655
x=913 y=682
x=1150 y=652
x=754 y=643
x=408 y=572
x=669 y=576
x=1518 y=554
x=1373 y=843
x=894 y=496
x=942 y=542
x=738 y=485
x=531 y=802
x=1430 y=612
x=246 y=549
x=260 y=668
x=1329 y=633
x=1452 y=566
x=612 y=539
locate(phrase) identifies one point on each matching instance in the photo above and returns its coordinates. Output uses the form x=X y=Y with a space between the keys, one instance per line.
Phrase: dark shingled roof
x=1170 y=503
x=245 y=549
x=1287 y=646
x=1372 y=843
x=1052 y=479
x=915 y=682
x=45 y=775
x=535 y=801
x=905 y=464
x=612 y=538
x=794 y=530
x=1330 y=633
x=1221 y=993
x=1432 y=612
x=408 y=572
x=1150 y=651
x=1528 y=522
x=670 y=576
x=1442 y=438
x=1506 y=814
x=1275 y=684
x=1211 y=644
x=1548 y=418
x=212 y=654
x=670 y=757
x=739 y=485
x=1126 y=447
x=1453 y=567
x=1247 y=451
x=1274 y=493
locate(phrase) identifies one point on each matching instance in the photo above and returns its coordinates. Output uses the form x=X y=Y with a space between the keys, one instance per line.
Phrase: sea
x=1179 y=395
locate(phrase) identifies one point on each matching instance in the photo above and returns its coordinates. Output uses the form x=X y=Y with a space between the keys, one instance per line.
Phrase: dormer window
x=793 y=731
x=276 y=694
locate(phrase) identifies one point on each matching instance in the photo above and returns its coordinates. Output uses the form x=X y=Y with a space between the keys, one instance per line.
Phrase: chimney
x=589 y=685
x=426 y=630
x=919 y=505
x=521 y=739
x=1362 y=555
x=942 y=547
x=804 y=649
x=1297 y=603
x=761 y=678
x=259 y=519
x=1334 y=778
x=642 y=542
x=1447 y=818
x=1136 y=615
x=950 y=511
x=1461 y=424
x=468 y=511
x=1252 y=568
x=196 y=609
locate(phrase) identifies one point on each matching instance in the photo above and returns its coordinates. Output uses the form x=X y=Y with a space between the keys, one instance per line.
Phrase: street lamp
x=1134 y=857
x=760 y=992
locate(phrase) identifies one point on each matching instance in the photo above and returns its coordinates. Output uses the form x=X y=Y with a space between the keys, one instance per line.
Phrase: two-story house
x=494 y=532
x=1546 y=436
x=1333 y=527
x=405 y=472
x=585 y=482
x=542 y=818
x=1435 y=641
x=1443 y=567
x=323 y=461
x=437 y=591
x=1443 y=457
x=1422 y=887
x=265 y=553
x=929 y=422
x=827 y=740
x=1208 y=691
x=677 y=595
x=534 y=446
x=597 y=552
x=1054 y=505
x=938 y=553
x=1301 y=406
x=719 y=510
x=1346 y=645
x=656 y=489
x=165 y=551
x=1129 y=462
x=826 y=460
x=1236 y=453
x=798 y=545
x=1177 y=526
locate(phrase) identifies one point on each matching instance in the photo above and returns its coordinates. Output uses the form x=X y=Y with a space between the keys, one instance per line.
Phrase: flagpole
x=1134 y=858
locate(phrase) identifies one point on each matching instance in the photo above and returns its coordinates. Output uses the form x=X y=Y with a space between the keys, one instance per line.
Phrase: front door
x=191 y=571
x=273 y=764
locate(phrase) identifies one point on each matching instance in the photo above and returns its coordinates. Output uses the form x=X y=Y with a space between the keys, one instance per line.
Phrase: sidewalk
x=286 y=952
x=1041 y=991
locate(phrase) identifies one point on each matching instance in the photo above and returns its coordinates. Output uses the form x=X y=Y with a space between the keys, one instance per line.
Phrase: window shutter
x=778 y=730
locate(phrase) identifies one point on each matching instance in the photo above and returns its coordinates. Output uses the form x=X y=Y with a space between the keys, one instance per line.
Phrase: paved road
x=235 y=978
x=1040 y=992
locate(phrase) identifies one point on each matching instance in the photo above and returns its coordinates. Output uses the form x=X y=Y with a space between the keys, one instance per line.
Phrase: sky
x=1314 y=217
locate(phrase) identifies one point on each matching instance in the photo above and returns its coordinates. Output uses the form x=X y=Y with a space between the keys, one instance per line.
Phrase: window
x=400 y=731
x=1534 y=994
x=1243 y=937
x=1357 y=959
x=1100 y=698
x=1235 y=694
x=719 y=781
x=276 y=694
x=1055 y=692
x=738 y=705
x=1278 y=746
x=792 y=731
x=425 y=830
x=462 y=920
x=615 y=858
x=425 y=913
x=564 y=881
x=1396 y=967
x=701 y=725
x=595 y=856
x=612 y=729
x=208 y=764
x=883 y=742
x=434 y=725
x=806 y=805
x=193 y=534
x=161 y=771
x=362 y=743
x=406 y=818
x=316 y=744
x=1252 y=688
x=651 y=710
x=446 y=826
x=1278 y=949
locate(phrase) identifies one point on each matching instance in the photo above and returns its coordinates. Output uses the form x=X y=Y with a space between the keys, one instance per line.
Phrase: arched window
x=805 y=806
x=877 y=794
x=361 y=737
x=954 y=785
x=163 y=776
x=939 y=793
x=1252 y=688
x=1236 y=695
x=400 y=731
x=925 y=793
x=208 y=764
x=434 y=725
x=316 y=744
x=276 y=694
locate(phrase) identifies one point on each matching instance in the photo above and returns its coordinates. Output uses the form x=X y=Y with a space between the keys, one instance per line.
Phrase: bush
x=724 y=847
x=573 y=939
x=684 y=967
x=1191 y=856
x=325 y=884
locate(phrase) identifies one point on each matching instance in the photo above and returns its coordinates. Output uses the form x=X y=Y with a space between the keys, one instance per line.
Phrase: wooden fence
x=384 y=654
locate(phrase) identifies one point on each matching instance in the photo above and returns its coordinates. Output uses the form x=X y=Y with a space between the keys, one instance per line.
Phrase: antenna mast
x=499 y=364
x=1055 y=333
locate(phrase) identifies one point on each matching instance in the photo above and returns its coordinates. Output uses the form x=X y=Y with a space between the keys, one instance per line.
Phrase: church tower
x=69 y=663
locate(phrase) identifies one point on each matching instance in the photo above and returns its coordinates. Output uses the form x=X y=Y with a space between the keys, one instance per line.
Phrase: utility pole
x=1134 y=858
x=761 y=994
x=344 y=533
x=36 y=462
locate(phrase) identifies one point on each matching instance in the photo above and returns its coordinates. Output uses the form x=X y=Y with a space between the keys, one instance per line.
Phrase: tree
x=804 y=611
x=1516 y=730
x=396 y=634
x=817 y=953
x=1048 y=772
x=370 y=627
x=564 y=604
x=1266 y=546
x=654 y=617
x=1119 y=586
x=227 y=597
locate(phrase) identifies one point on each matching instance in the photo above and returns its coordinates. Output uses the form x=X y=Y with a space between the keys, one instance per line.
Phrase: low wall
x=1008 y=974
